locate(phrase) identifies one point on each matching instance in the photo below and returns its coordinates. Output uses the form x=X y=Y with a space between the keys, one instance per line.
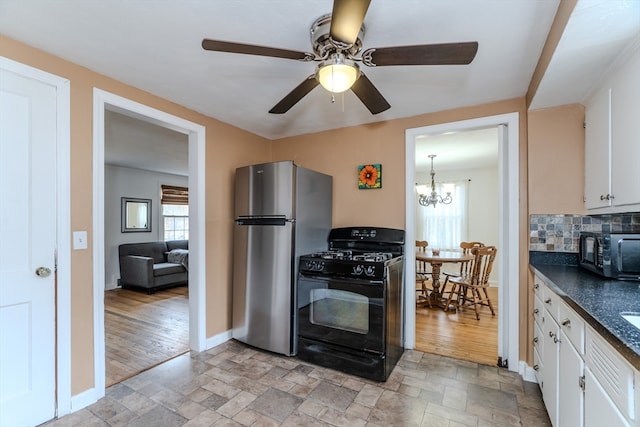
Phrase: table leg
x=436 y=295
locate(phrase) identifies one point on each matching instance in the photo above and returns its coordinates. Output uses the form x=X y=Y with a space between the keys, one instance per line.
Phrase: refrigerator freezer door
x=265 y=190
x=263 y=288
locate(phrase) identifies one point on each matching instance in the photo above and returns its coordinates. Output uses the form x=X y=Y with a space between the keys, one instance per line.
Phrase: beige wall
x=227 y=147
x=336 y=152
x=556 y=160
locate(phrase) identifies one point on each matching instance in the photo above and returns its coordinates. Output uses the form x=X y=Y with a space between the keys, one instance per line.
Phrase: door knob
x=43 y=272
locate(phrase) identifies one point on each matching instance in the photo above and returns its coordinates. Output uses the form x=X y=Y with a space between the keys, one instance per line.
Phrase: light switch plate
x=79 y=240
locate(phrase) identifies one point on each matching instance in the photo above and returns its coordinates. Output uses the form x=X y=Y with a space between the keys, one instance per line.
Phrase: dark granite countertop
x=599 y=301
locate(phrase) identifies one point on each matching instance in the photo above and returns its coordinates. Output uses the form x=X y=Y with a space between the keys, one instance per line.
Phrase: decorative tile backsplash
x=559 y=233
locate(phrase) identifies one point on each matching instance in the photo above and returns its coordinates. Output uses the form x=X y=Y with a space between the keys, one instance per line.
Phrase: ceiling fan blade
x=295 y=95
x=369 y=95
x=249 y=49
x=346 y=19
x=427 y=54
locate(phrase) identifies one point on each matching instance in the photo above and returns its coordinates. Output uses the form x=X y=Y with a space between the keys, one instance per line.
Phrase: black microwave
x=615 y=255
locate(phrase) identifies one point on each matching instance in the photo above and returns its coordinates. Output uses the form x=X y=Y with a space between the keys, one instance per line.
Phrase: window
x=444 y=226
x=175 y=212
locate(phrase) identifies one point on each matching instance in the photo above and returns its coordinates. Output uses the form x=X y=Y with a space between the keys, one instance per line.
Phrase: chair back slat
x=466 y=268
x=421 y=266
x=482 y=264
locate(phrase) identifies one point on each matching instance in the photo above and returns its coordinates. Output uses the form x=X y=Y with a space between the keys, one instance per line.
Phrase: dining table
x=436 y=259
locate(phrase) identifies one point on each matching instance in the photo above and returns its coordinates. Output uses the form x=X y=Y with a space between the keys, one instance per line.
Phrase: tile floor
x=235 y=385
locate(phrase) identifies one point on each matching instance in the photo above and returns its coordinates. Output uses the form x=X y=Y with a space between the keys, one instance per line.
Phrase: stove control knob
x=320 y=266
x=370 y=270
x=357 y=270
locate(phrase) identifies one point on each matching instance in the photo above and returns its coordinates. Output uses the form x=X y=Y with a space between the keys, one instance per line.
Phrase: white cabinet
x=625 y=134
x=597 y=153
x=612 y=177
x=583 y=379
x=570 y=393
x=599 y=409
x=609 y=384
x=551 y=363
x=563 y=366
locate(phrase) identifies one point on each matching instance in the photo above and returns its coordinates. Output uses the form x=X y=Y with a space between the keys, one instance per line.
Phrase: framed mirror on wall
x=135 y=215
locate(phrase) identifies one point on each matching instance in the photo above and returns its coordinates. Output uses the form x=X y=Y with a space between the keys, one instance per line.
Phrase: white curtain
x=444 y=226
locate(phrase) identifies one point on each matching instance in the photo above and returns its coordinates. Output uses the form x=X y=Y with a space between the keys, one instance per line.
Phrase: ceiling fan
x=336 y=41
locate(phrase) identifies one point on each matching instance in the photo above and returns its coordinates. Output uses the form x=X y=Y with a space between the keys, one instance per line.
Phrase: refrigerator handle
x=277 y=221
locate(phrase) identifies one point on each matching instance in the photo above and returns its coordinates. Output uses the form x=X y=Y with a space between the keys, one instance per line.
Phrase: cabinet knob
x=536 y=286
x=535 y=339
x=547 y=301
x=536 y=367
x=551 y=334
x=566 y=322
x=556 y=340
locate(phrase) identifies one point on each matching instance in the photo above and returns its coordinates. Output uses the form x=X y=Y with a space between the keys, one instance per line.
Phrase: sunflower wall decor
x=370 y=176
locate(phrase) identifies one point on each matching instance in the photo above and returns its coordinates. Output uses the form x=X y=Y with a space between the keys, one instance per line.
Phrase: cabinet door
x=550 y=361
x=570 y=394
x=597 y=157
x=599 y=409
x=625 y=135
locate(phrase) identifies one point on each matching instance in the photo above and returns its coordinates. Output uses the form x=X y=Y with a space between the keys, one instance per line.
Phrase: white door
x=27 y=254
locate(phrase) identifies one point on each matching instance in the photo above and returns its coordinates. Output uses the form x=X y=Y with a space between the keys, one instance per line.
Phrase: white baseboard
x=86 y=398
x=527 y=372
x=218 y=339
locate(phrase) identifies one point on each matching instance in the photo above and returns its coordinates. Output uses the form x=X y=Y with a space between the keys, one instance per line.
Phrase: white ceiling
x=155 y=45
x=134 y=143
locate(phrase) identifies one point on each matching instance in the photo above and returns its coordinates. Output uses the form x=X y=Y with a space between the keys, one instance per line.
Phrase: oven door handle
x=342 y=279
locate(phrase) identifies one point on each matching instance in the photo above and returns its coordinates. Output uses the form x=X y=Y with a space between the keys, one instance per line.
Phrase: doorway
x=508 y=271
x=141 y=160
x=104 y=101
x=465 y=163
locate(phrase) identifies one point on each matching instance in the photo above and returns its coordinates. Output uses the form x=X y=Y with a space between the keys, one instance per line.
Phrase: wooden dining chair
x=423 y=275
x=465 y=267
x=471 y=290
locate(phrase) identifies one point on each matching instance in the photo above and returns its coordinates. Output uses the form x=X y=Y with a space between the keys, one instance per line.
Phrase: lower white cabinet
x=584 y=381
x=599 y=409
x=570 y=382
x=563 y=370
x=551 y=363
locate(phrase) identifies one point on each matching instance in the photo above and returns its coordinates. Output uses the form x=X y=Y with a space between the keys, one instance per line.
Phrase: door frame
x=102 y=101
x=508 y=239
x=62 y=351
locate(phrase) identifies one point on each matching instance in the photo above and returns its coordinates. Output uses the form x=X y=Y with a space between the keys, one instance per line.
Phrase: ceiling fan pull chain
x=333 y=98
x=343 y=102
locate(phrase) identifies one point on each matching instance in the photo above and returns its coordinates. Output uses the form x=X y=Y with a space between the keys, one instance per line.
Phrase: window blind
x=174 y=195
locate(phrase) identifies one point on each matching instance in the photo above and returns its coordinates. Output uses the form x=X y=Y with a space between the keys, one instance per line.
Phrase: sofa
x=152 y=266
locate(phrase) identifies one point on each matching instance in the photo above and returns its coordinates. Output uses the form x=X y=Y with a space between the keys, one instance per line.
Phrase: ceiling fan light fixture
x=338 y=73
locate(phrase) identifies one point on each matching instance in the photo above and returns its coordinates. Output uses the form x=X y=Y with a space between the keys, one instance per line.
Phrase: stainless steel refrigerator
x=282 y=211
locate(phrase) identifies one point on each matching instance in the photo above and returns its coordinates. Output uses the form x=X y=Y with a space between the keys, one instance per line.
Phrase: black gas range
x=350 y=302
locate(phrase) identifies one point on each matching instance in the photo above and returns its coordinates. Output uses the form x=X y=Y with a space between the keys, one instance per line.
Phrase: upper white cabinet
x=612 y=140
x=597 y=151
x=625 y=134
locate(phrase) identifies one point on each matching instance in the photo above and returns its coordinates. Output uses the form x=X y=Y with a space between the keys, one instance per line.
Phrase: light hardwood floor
x=459 y=334
x=143 y=330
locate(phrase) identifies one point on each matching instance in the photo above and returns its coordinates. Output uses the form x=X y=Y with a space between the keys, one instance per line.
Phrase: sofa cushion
x=155 y=250
x=177 y=244
x=166 y=268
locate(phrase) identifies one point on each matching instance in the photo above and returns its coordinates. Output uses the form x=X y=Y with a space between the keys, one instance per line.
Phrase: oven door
x=344 y=312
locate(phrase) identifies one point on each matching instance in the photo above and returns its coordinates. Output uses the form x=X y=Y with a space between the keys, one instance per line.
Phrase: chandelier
x=433 y=198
